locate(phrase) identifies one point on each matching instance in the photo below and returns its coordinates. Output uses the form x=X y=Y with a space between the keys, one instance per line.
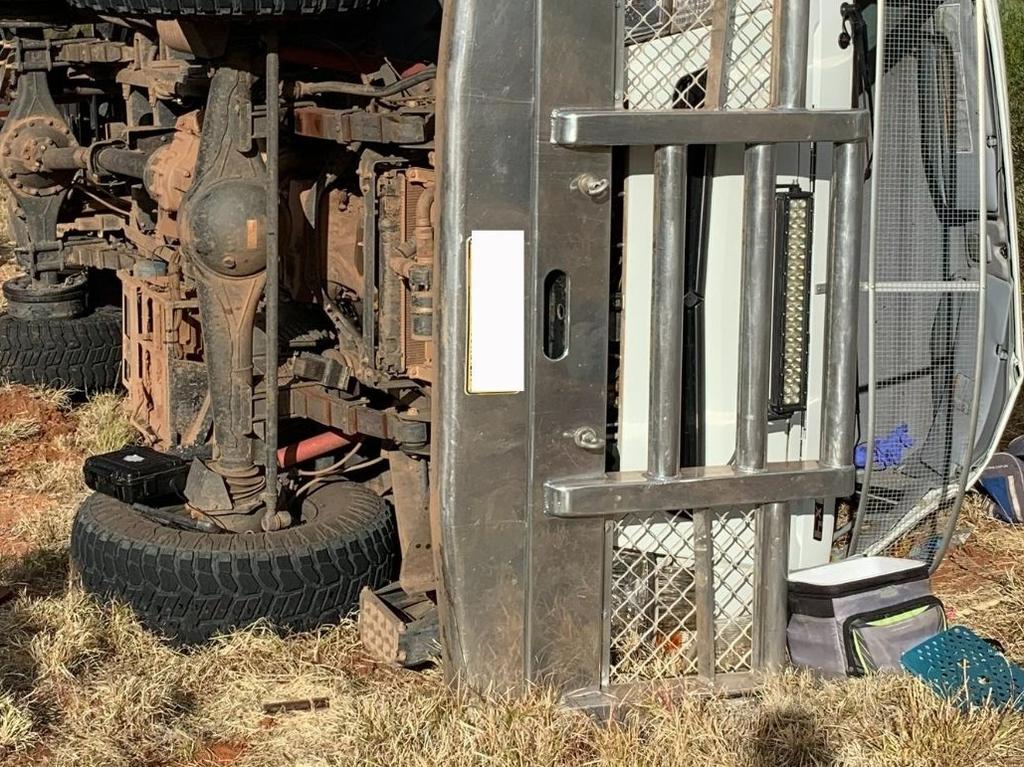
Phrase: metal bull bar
x=524 y=558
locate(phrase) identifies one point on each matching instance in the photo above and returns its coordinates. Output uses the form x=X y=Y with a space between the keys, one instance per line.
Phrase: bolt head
x=229 y=262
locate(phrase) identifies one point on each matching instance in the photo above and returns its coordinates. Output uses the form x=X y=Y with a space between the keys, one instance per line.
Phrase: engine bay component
x=223 y=223
x=170 y=170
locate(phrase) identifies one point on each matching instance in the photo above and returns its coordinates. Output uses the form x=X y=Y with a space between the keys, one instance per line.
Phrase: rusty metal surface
x=341 y=241
x=171 y=170
x=162 y=339
x=160 y=164
x=352 y=416
x=345 y=126
x=397 y=627
x=410 y=487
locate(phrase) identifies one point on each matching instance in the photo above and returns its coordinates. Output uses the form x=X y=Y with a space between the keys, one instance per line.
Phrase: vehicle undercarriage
x=246 y=178
x=709 y=272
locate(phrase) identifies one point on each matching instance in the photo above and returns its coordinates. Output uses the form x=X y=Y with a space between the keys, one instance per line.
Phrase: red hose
x=311 y=448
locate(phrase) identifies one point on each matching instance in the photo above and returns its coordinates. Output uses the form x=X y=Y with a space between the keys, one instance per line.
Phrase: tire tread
x=193 y=586
x=83 y=354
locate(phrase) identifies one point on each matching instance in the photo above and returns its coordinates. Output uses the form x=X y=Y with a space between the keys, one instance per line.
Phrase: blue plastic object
x=1003 y=481
x=888 y=451
x=961 y=666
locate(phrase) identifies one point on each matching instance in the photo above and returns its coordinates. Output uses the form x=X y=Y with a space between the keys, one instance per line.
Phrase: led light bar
x=791 y=315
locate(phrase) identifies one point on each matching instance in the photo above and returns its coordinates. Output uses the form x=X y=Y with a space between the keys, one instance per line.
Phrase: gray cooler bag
x=860 y=615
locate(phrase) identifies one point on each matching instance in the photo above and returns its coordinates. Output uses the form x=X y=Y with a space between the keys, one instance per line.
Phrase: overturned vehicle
x=555 y=333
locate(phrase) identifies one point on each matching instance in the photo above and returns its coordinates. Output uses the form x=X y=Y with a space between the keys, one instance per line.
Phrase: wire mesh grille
x=698 y=54
x=748 y=61
x=733 y=546
x=926 y=283
x=654 y=606
x=653 y=600
x=687 y=54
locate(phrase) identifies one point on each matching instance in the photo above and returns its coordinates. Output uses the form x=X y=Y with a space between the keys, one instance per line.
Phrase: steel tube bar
x=772 y=567
x=838 y=432
x=792 y=53
x=620 y=494
x=627 y=127
x=273 y=269
x=664 y=435
x=773 y=585
x=872 y=304
x=756 y=286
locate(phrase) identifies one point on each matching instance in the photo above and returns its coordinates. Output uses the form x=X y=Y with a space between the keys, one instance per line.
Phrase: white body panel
x=829 y=78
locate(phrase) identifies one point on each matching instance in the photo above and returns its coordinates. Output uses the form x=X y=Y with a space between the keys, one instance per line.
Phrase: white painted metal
x=497 y=312
x=829 y=75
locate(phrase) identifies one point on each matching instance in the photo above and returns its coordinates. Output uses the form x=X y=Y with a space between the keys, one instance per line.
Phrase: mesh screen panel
x=654 y=606
x=668 y=45
x=686 y=54
x=927 y=284
x=653 y=609
x=696 y=54
x=733 y=556
x=748 y=60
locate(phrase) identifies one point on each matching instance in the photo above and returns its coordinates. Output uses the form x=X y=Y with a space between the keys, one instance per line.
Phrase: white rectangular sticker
x=496 y=357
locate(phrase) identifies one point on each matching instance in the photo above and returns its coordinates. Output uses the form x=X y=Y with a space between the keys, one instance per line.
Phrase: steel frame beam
x=513 y=610
x=616 y=495
x=617 y=127
x=522 y=553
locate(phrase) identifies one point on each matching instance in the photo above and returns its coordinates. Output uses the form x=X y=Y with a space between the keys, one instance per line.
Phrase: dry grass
x=102 y=425
x=17 y=430
x=60 y=398
x=88 y=687
x=82 y=684
x=8 y=269
x=45 y=483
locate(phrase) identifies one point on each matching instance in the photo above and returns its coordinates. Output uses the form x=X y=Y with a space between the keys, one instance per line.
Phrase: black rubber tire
x=190 y=586
x=83 y=354
x=237 y=8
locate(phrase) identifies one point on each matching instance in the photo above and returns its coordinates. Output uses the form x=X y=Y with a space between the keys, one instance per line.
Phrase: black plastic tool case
x=137 y=475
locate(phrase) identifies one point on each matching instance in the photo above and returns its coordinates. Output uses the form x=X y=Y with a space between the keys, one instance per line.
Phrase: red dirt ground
x=17 y=402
